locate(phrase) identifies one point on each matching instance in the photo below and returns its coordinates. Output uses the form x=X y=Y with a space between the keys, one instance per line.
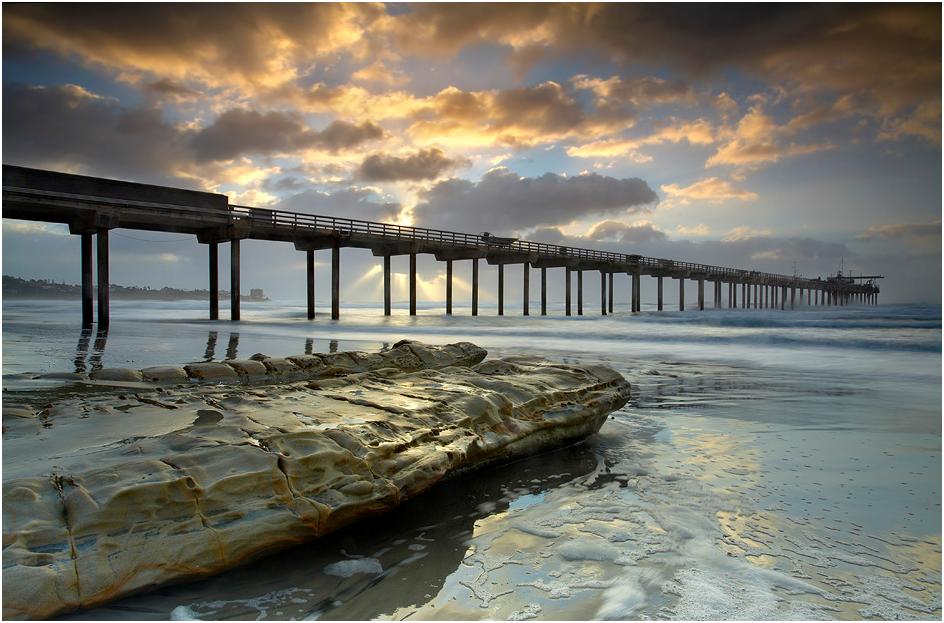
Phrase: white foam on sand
x=183 y=613
x=347 y=568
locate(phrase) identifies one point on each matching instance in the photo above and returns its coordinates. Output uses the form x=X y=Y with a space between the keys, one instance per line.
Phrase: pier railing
x=349 y=227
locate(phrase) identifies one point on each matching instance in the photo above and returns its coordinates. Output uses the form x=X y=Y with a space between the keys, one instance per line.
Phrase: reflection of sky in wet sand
x=726 y=489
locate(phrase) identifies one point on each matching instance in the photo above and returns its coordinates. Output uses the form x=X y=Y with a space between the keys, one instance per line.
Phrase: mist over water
x=771 y=464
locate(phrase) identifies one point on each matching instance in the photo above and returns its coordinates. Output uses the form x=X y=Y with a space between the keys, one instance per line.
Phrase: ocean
x=770 y=465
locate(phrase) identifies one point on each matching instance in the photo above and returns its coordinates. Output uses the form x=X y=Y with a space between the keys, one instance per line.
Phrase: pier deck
x=93 y=206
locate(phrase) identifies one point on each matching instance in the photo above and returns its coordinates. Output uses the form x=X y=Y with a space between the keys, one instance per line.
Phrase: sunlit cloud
x=710 y=190
x=745 y=233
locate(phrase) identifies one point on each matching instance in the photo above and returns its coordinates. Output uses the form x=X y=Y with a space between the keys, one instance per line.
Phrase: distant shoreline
x=14 y=287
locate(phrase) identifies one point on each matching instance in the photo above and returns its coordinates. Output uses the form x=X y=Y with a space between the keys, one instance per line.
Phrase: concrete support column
x=387 y=288
x=526 y=275
x=717 y=295
x=602 y=293
x=734 y=295
x=610 y=299
x=634 y=292
x=756 y=295
x=87 y=285
x=567 y=289
x=783 y=298
x=335 y=282
x=448 y=287
x=501 y=289
x=214 y=270
x=412 y=284
x=659 y=293
x=475 y=286
x=103 y=283
x=544 y=291
x=310 y=274
x=234 y=279
x=580 y=293
x=701 y=294
x=793 y=294
x=681 y=293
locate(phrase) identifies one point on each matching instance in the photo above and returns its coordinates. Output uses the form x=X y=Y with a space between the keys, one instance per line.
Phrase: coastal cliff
x=135 y=478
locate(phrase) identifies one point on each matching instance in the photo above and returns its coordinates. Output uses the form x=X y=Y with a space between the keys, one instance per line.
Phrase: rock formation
x=134 y=478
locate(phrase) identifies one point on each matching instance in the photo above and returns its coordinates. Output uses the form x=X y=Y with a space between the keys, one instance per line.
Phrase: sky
x=784 y=138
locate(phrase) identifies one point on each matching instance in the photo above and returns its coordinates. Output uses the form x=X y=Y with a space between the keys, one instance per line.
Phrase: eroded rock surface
x=115 y=484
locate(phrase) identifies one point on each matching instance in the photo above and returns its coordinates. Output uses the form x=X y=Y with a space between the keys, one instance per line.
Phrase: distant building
x=256 y=293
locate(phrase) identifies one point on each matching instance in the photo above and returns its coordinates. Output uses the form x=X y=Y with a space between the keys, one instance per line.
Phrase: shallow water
x=769 y=465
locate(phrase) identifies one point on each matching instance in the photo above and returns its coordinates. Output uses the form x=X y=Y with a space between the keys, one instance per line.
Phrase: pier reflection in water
x=86 y=361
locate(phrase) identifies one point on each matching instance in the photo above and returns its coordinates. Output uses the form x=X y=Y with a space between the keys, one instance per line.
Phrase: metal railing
x=299 y=221
x=351 y=227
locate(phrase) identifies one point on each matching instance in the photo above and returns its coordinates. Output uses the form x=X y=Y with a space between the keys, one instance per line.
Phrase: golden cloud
x=712 y=190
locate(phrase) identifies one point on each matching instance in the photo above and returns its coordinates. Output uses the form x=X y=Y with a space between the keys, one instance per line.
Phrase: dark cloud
x=506 y=203
x=903 y=230
x=891 y=53
x=66 y=127
x=426 y=164
x=242 y=131
x=355 y=203
x=166 y=88
x=249 y=44
x=622 y=232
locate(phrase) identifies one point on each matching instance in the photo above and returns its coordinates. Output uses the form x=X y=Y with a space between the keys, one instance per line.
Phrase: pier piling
x=544 y=291
x=501 y=289
x=234 y=279
x=567 y=289
x=448 y=287
x=412 y=284
x=103 y=282
x=526 y=286
x=335 y=282
x=659 y=293
x=310 y=281
x=386 y=284
x=87 y=285
x=475 y=286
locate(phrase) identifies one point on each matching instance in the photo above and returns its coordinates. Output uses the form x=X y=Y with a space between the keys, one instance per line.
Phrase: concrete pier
x=475 y=286
x=501 y=289
x=567 y=290
x=103 y=282
x=580 y=293
x=233 y=279
x=526 y=285
x=214 y=270
x=310 y=282
x=386 y=285
x=87 y=285
x=412 y=284
x=335 y=282
x=610 y=298
x=93 y=206
x=602 y=293
x=448 y=287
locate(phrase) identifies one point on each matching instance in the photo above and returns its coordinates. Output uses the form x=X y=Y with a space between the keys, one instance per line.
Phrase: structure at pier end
x=92 y=207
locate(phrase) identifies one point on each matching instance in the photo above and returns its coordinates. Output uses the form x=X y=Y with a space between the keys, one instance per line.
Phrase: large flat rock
x=114 y=485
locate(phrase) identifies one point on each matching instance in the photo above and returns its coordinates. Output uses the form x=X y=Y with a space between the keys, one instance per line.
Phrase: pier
x=92 y=207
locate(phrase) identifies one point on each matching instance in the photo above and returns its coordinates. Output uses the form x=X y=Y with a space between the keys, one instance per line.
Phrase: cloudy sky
x=779 y=138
